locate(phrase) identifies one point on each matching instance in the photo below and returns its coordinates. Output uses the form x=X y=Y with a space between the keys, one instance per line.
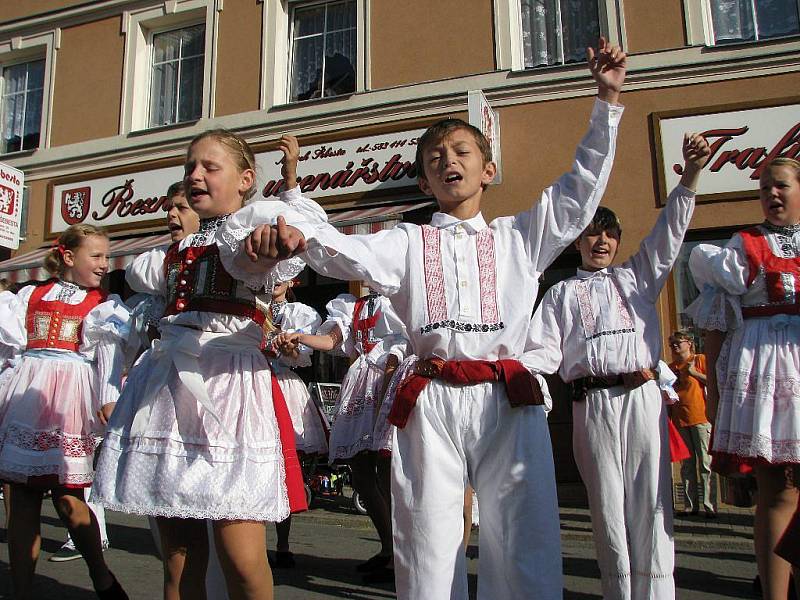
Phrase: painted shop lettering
x=119 y=200
x=368 y=171
x=754 y=158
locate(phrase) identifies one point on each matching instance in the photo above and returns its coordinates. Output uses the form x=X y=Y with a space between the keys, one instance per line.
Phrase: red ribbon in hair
x=60 y=247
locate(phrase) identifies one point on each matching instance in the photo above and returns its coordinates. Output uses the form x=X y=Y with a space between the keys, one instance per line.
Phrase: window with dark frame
x=323 y=50
x=22 y=96
x=176 y=83
x=752 y=20
x=557 y=32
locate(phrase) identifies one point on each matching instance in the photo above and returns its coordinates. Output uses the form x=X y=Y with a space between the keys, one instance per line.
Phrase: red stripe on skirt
x=295 y=486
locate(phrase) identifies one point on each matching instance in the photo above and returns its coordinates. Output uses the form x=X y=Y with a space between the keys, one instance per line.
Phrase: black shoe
x=115 y=592
x=283 y=560
x=711 y=514
x=379 y=575
x=374 y=563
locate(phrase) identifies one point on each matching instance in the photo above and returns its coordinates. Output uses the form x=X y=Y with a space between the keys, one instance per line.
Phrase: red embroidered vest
x=781 y=275
x=54 y=324
x=197 y=281
x=363 y=327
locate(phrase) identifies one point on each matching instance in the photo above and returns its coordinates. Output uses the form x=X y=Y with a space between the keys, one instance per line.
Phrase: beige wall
x=88 y=82
x=239 y=58
x=16 y=9
x=652 y=26
x=419 y=40
x=538 y=143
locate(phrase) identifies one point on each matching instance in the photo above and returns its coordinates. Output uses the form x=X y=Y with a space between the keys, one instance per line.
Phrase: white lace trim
x=194 y=513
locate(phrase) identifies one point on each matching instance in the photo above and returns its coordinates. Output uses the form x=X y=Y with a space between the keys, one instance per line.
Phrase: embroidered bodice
x=198 y=281
x=56 y=324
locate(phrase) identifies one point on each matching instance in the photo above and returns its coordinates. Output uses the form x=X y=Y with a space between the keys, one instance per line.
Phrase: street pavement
x=714 y=557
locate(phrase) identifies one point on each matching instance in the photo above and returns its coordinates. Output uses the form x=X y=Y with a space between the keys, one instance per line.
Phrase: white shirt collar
x=445 y=221
x=581 y=274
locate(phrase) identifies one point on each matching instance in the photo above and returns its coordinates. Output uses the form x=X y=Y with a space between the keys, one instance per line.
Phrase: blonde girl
x=196 y=435
x=71 y=335
x=751 y=298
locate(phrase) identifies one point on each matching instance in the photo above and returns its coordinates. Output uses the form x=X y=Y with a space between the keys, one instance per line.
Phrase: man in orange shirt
x=689 y=416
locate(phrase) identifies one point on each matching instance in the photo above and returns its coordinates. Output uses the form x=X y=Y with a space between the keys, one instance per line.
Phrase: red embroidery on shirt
x=487 y=276
x=434 y=275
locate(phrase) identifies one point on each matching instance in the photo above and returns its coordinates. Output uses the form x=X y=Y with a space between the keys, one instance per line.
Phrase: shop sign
x=136 y=199
x=11 y=186
x=743 y=140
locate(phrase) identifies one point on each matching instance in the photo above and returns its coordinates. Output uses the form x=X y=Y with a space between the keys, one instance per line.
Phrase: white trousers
x=455 y=434
x=622 y=450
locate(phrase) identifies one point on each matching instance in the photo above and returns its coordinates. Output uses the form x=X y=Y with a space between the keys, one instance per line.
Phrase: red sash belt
x=522 y=387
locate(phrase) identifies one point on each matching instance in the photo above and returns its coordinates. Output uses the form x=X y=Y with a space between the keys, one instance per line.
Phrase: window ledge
x=314 y=101
x=160 y=128
x=741 y=45
x=19 y=153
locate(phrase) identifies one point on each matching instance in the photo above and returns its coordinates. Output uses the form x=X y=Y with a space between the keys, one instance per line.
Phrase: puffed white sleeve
x=300 y=318
x=394 y=341
x=145 y=274
x=721 y=276
x=340 y=314
x=106 y=334
x=543 y=346
x=263 y=273
x=13 y=310
x=568 y=206
x=377 y=258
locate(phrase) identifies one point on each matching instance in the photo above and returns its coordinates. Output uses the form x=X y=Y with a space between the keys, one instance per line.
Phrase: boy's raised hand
x=275 y=242
x=696 y=153
x=607 y=65
x=290 y=147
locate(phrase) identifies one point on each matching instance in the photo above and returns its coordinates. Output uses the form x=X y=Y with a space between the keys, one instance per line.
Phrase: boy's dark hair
x=606 y=220
x=174 y=189
x=442 y=129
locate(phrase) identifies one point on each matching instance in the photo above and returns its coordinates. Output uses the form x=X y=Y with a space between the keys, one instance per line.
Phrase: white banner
x=742 y=142
x=368 y=164
x=11 y=183
x=485 y=118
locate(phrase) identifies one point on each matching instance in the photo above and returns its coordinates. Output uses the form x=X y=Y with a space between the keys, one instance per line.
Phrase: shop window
x=323 y=50
x=314 y=49
x=23 y=91
x=26 y=75
x=557 y=32
x=545 y=33
x=176 y=82
x=753 y=20
x=169 y=64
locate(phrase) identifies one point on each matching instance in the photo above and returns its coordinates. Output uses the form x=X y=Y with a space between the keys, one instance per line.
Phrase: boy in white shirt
x=470 y=412
x=600 y=331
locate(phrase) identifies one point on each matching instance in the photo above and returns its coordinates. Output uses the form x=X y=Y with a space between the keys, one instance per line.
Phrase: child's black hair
x=606 y=220
x=442 y=129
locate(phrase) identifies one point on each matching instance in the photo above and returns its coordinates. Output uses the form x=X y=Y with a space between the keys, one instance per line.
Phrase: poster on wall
x=11 y=187
x=374 y=164
x=743 y=138
x=485 y=118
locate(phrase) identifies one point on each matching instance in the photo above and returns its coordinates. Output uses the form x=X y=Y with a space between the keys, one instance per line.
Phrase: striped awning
x=28 y=266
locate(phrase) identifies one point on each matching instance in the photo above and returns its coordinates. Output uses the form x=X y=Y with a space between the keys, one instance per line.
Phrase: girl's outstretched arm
x=288 y=342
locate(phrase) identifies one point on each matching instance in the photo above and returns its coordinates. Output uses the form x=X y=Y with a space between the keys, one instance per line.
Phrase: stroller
x=324 y=480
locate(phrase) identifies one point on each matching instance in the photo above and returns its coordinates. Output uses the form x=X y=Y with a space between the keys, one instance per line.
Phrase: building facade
x=99 y=99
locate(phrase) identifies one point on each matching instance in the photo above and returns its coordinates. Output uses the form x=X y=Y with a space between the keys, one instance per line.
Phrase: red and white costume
x=751 y=289
x=72 y=343
x=371 y=332
x=197 y=431
x=310 y=426
x=465 y=291
x=603 y=324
